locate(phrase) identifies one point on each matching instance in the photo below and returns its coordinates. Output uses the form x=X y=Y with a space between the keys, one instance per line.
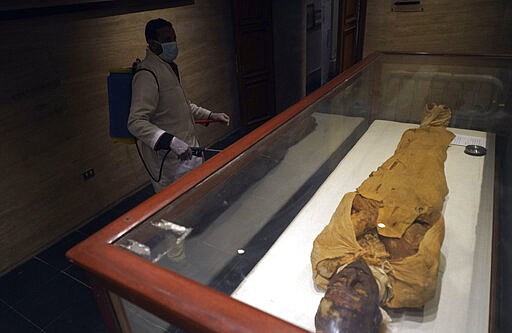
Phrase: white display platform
x=282 y=283
x=263 y=199
x=208 y=252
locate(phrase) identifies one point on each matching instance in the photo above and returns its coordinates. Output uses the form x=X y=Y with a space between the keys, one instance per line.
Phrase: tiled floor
x=50 y=294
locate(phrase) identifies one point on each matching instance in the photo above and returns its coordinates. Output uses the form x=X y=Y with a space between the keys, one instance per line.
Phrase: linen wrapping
x=410 y=185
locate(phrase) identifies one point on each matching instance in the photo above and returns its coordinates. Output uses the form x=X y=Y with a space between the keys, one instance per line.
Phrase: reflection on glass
x=217 y=232
x=233 y=217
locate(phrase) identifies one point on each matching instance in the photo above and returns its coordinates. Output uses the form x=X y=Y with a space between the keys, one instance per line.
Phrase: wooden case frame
x=170 y=296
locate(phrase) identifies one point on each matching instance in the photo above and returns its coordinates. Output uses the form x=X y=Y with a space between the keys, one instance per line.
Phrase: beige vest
x=158 y=108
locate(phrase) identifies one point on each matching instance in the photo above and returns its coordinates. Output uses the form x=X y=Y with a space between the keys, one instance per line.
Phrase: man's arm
x=202 y=113
x=199 y=112
x=143 y=105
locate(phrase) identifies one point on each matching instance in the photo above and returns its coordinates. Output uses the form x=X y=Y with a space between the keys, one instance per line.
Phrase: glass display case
x=227 y=247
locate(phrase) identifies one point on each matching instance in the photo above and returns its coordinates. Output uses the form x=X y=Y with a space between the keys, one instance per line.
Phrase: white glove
x=181 y=149
x=219 y=117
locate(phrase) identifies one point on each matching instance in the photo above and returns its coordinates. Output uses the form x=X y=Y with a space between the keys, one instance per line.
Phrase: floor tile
x=116 y=211
x=12 y=322
x=52 y=299
x=25 y=279
x=78 y=273
x=148 y=190
x=99 y=222
x=81 y=317
x=55 y=255
x=132 y=201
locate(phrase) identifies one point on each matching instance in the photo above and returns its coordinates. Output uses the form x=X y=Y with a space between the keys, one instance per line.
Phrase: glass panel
x=478 y=91
x=133 y=319
x=218 y=231
x=475 y=88
x=248 y=229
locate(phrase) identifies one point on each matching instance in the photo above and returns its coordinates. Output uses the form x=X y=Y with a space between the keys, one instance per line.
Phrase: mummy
x=382 y=245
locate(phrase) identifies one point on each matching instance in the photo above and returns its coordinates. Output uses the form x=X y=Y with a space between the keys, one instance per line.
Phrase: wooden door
x=351 y=32
x=254 y=55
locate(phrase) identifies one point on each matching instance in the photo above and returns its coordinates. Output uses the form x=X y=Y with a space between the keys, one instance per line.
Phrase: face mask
x=170 y=51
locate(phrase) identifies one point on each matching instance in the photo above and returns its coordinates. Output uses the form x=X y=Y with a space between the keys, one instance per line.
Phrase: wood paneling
x=54 y=113
x=443 y=26
x=255 y=67
x=289 y=36
x=352 y=15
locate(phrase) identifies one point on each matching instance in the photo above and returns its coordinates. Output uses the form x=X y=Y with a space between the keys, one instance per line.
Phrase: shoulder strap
x=147 y=70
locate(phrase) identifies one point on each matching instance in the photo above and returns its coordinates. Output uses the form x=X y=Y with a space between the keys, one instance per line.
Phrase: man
x=161 y=116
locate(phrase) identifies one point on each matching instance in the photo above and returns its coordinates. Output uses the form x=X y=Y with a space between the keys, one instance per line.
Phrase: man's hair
x=153 y=25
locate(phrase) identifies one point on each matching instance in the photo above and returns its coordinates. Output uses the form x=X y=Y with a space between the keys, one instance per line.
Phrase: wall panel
x=54 y=116
x=443 y=26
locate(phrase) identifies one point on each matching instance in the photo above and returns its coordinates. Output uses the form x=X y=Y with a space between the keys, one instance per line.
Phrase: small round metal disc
x=475 y=150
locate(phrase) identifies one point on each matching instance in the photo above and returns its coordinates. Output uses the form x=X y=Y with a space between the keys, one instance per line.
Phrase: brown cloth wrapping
x=409 y=186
